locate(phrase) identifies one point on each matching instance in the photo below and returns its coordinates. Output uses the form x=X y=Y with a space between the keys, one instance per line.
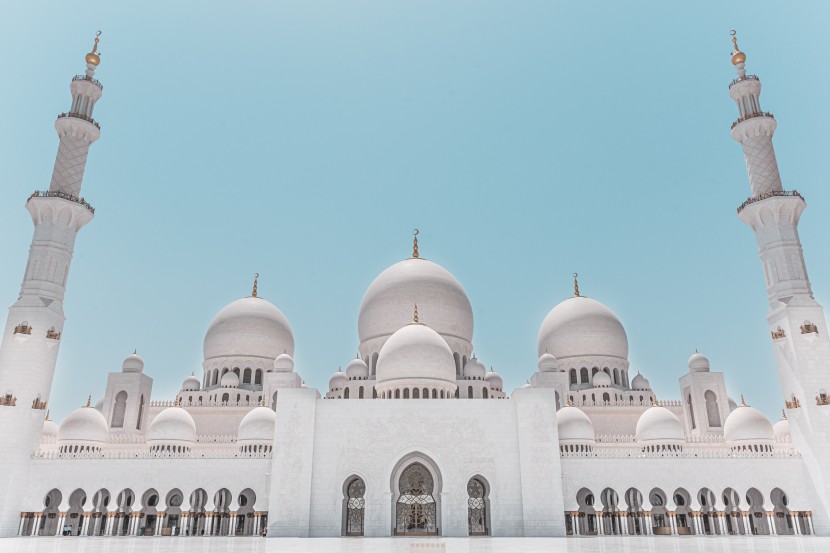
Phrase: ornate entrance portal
x=415 y=511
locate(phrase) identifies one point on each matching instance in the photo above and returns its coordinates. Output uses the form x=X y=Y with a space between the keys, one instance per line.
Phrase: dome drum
x=84 y=430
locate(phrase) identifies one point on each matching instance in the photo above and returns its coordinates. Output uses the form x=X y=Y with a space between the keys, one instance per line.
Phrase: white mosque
x=416 y=436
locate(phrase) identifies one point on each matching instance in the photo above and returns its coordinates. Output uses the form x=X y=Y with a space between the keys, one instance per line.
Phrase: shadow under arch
x=416 y=485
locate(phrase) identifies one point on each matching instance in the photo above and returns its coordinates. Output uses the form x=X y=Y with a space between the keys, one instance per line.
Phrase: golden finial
x=783 y=414
x=743 y=401
x=576 y=285
x=737 y=55
x=256 y=278
x=89 y=401
x=415 y=243
x=47 y=415
x=94 y=58
x=415 y=315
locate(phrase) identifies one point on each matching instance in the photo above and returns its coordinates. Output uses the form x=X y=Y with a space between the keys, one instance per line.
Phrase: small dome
x=781 y=429
x=574 y=425
x=658 y=424
x=442 y=301
x=698 y=363
x=747 y=424
x=284 y=363
x=416 y=351
x=191 y=383
x=475 y=369
x=527 y=385
x=357 y=369
x=50 y=428
x=229 y=380
x=133 y=364
x=580 y=326
x=174 y=424
x=602 y=380
x=248 y=327
x=639 y=382
x=495 y=380
x=337 y=380
x=547 y=363
x=84 y=425
x=257 y=426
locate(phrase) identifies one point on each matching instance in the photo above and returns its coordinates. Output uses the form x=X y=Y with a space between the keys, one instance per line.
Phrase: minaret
x=34 y=329
x=798 y=329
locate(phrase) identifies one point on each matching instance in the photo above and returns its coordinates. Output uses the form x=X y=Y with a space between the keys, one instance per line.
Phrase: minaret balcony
x=99 y=85
x=62 y=195
x=733 y=83
x=751 y=116
x=770 y=194
x=90 y=119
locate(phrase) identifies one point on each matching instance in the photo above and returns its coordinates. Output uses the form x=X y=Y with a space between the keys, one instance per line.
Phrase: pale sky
x=305 y=140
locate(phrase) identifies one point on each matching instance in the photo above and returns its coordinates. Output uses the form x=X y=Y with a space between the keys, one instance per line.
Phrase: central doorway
x=415 y=510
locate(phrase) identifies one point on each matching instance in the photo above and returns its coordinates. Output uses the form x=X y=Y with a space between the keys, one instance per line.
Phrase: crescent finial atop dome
x=89 y=401
x=737 y=55
x=256 y=278
x=94 y=58
x=415 y=244
x=415 y=315
x=576 y=285
x=743 y=401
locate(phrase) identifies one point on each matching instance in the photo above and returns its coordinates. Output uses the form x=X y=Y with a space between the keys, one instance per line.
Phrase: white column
x=672 y=523
x=85 y=525
x=20 y=526
x=36 y=529
x=747 y=527
x=232 y=524
x=624 y=524
x=809 y=518
x=771 y=522
x=256 y=524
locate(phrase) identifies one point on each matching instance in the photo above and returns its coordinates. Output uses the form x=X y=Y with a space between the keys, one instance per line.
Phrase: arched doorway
x=173 y=513
x=74 y=520
x=124 y=503
x=196 y=516
x=49 y=520
x=149 y=501
x=708 y=515
x=659 y=513
x=682 y=512
x=757 y=514
x=99 y=513
x=478 y=515
x=635 y=518
x=732 y=512
x=355 y=504
x=610 y=512
x=783 y=520
x=587 y=514
x=245 y=514
x=416 y=513
x=221 y=514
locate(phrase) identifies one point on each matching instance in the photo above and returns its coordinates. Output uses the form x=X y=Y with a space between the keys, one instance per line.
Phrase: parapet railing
x=751 y=116
x=63 y=195
x=770 y=194
x=599 y=452
x=77 y=115
x=744 y=78
x=90 y=79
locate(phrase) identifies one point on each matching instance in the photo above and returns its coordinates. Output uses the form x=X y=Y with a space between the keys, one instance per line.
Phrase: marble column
x=22 y=523
x=809 y=518
x=36 y=529
x=232 y=524
x=61 y=521
x=771 y=522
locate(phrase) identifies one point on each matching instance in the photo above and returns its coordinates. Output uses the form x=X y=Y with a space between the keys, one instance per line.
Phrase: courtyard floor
x=707 y=544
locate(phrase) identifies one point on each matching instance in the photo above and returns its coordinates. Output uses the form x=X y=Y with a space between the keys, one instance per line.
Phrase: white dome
x=747 y=424
x=574 y=425
x=547 y=363
x=698 y=363
x=229 y=380
x=173 y=424
x=494 y=379
x=84 y=425
x=415 y=351
x=442 y=301
x=191 y=383
x=50 y=428
x=639 y=382
x=133 y=364
x=580 y=326
x=602 y=380
x=781 y=429
x=257 y=426
x=658 y=424
x=337 y=380
x=249 y=327
x=475 y=369
x=357 y=369
x=284 y=363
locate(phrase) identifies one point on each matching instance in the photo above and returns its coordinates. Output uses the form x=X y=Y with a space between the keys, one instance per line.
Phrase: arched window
x=397 y=394
x=469 y=392
x=583 y=375
x=594 y=371
x=119 y=409
x=712 y=410
x=355 y=507
x=434 y=393
x=425 y=393
x=246 y=376
x=616 y=376
x=360 y=393
x=606 y=397
x=484 y=392
x=258 y=377
x=406 y=393
x=225 y=397
x=457 y=363
x=415 y=511
x=274 y=401
x=374 y=362
x=477 y=507
x=140 y=412
x=416 y=393
x=573 y=376
x=346 y=393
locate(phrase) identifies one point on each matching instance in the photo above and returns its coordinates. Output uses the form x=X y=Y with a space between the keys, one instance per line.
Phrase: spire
x=576 y=285
x=743 y=401
x=47 y=415
x=89 y=401
x=783 y=415
x=415 y=315
x=738 y=57
x=93 y=59
x=256 y=278
x=415 y=243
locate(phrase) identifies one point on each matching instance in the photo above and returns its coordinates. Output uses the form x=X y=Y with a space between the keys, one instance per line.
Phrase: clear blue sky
x=304 y=140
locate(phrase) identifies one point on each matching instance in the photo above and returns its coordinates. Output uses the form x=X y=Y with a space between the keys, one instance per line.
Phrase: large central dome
x=580 y=326
x=442 y=302
x=250 y=327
